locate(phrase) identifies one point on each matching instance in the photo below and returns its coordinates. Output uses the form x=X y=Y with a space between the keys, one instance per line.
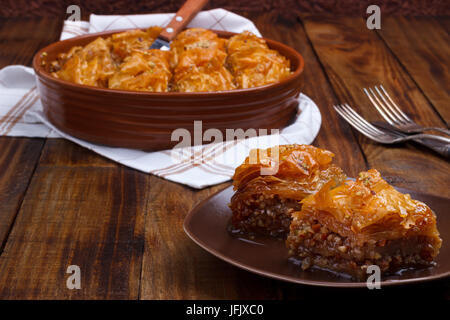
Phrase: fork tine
x=352 y=120
x=353 y=123
x=362 y=126
x=379 y=105
x=393 y=105
x=368 y=126
x=357 y=125
x=394 y=114
x=359 y=128
x=362 y=120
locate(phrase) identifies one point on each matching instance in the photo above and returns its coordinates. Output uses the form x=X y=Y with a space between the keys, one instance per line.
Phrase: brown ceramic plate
x=146 y=120
x=207 y=226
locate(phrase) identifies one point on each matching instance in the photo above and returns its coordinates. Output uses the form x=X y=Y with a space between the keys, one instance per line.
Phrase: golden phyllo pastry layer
x=361 y=223
x=253 y=64
x=199 y=62
x=263 y=203
x=89 y=65
x=146 y=70
x=123 y=44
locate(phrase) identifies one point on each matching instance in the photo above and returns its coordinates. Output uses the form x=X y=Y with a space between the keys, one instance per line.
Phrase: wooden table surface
x=63 y=205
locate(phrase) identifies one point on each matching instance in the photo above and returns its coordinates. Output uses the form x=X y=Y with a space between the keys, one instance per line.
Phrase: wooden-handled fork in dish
x=186 y=13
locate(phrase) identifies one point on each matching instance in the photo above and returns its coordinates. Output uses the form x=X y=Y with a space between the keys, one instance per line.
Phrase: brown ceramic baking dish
x=146 y=120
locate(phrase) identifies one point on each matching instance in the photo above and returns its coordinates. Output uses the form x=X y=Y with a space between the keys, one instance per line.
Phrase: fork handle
x=428 y=137
x=443 y=150
x=440 y=147
x=442 y=130
x=186 y=13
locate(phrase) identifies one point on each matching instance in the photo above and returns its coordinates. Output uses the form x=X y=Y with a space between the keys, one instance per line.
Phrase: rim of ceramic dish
x=41 y=72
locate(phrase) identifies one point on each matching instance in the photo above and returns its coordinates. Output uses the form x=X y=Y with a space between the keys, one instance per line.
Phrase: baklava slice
x=270 y=183
x=361 y=223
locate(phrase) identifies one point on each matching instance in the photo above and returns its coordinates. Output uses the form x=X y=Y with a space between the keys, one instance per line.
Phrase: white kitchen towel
x=216 y=19
x=199 y=166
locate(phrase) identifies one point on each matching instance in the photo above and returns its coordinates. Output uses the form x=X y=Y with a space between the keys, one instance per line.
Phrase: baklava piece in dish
x=253 y=64
x=199 y=62
x=97 y=62
x=360 y=223
x=89 y=65
x=263 y=203
x=123 y=44
x=143 y=70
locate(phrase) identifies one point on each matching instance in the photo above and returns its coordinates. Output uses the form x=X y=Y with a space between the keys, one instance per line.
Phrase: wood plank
x=176 y=268
x=422 y=46
x=444 y=22
x=354 y=57
x=19 y=39
x=18 y=158
x=61 y=152
x=92 y=217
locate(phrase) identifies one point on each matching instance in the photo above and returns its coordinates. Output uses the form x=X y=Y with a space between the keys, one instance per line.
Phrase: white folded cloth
x=216 y=19
x=199 y=166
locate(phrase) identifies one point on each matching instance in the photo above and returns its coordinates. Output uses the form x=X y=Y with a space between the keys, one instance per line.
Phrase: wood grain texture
x=353 y=58
x=423 y=47
x=176 y=268
x=18 y=158
x=92 y=217
x=61 y=152
x=286 y=8
x=19 y=39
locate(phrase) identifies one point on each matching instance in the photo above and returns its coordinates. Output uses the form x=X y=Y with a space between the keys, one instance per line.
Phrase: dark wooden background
x=61 y=204
x=287 y=9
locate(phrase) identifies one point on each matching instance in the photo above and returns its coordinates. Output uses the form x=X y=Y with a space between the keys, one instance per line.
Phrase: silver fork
x=390 y=137
x=390 y=111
